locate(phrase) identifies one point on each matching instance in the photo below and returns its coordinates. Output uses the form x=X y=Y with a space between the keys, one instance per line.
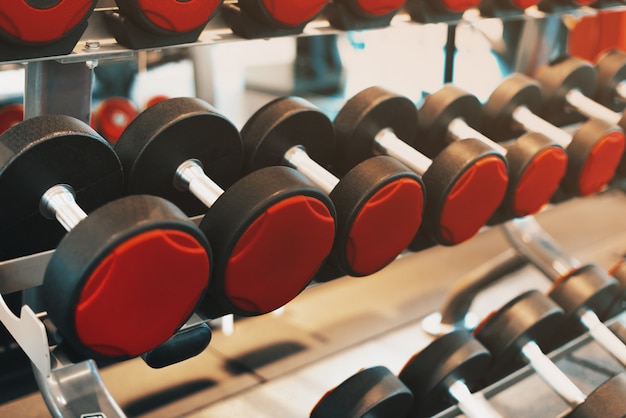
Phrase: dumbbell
x=10 y=115
x=594 y=151
x=145 y=23
x=270 y=230
x=610 y=88
x=586 y=293
x=465 y=183
x=265 y=18
x=370 y=393
x=446 y=372
x=503 y=8
x=561 y=6
x=379 y=202
x=112 y=116
x=536 y=164
x=33 y=28
x=122 y=280
x=362 y=14
x=515 y=334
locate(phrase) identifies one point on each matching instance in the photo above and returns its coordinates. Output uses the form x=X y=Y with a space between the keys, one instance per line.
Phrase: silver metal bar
x=529 y=238
x=533 y=123
x=459 y=130
x=296 y=157
x=473 y=405
x=386 y=142
x=620 y=91
x=603 y=335
x=190 y=176
x=59 y=202
x=591 y=108
x=552 y=375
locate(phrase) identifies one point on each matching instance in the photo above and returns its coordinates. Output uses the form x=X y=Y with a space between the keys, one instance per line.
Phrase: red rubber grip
x=292 y=13
x=141 y=293
x=32 y=25
x=379 y=7
x=279 y=254
x=540 y=181
x=473 y=199
x=460 y=5
x=385 y=226
x=600 y=166
x=178 y=16
x=10 y=115
x=113 y=116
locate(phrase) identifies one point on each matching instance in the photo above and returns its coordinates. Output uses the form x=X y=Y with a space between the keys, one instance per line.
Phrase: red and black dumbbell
x=610 y=88
x=429 y=11
x=374 y=392
x=447 y=372
x=122 y=280
x=536 y=163
x=465 y=182
x=515 y=335
x=362 y=14
x=594 y=150
x=147 y=23
x=10 y=115
x=379 y=202
x=270 y=231
x=268 y=18
x=36 y=28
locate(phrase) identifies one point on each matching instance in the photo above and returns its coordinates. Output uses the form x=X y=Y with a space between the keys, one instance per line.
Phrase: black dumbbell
x=270 y=230
x=610 y=88
x=359 y=14
x=515 y=334
x=536 y=164
x=465 y=183
x=594 y=151
x=504 y=8
x=379 y=202
x=370 y=393
x=121 y=281
x=263 y=18
x=445 y=373
x=144 y=23
x=425 y=11
x=34 y=28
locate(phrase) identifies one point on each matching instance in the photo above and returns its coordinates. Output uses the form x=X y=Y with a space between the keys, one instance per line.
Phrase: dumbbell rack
x=62 y=84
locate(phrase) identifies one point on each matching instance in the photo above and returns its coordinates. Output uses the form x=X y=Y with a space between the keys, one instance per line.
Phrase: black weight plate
x=282 y=124
x=606 y=401
x=365 y=115
x=428 y=374
x=172 y=131
x=611 y=70
x=42 y=152
x=371 y=393
x=439 y=110
x=514 y=91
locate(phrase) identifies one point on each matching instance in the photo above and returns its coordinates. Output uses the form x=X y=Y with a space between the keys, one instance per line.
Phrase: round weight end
x=175 y=16
x=10 y=115
x=113 y=116
x=278 y=254
x=141 y=293
x=385 y=226
x=601 y=163
x=472 y=200
x=539 y=181
x=293 y=13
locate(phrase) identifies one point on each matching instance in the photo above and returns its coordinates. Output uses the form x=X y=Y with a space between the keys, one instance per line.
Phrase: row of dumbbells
x=361 y=193
x=453 y=367
x=35 y=28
